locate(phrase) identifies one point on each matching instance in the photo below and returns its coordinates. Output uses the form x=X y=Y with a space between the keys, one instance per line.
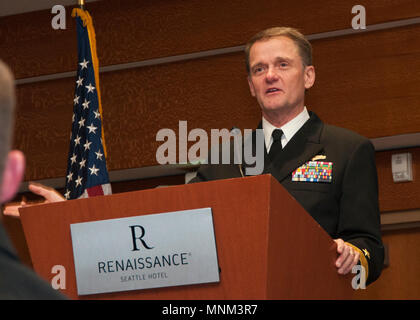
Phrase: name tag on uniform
x=314 y=171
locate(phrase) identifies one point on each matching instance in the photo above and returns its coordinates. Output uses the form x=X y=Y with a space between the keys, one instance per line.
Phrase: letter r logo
x=135 y=237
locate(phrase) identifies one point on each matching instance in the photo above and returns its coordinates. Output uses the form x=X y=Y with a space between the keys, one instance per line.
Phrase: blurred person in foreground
x=16 y=280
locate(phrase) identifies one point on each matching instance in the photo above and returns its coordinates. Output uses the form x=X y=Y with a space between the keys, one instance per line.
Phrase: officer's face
x=278 y=78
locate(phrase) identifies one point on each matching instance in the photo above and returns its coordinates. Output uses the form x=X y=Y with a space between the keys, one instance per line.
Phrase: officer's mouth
x=272 y=91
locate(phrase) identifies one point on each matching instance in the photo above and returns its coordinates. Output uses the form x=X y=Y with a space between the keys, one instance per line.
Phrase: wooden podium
x=268 y=246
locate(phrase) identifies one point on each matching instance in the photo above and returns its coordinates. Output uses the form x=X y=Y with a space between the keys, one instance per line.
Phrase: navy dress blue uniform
x=345 y=203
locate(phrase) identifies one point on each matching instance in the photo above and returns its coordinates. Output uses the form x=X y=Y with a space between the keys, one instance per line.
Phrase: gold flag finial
x=81 y=4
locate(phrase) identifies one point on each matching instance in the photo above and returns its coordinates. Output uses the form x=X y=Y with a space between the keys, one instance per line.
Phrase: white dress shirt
x=289 y=129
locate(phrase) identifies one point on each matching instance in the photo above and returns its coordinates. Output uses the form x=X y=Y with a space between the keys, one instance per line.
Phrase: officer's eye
x=258 y=70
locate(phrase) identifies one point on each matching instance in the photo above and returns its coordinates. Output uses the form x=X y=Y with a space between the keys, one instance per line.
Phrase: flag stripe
x=95 y=191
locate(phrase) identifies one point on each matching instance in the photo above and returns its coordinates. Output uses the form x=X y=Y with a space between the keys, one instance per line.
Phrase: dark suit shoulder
x=343 y=139
x=342 y=134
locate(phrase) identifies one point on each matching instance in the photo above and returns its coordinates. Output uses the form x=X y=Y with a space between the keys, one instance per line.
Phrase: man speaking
x=330 y=171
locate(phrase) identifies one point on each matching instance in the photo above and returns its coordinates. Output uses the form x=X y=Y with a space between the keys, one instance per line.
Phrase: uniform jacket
x=347 y=207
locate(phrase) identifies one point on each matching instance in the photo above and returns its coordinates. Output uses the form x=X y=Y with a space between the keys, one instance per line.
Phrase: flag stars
x=73 y=158
x=87 y=145
x=84 y=64
x=99 y=155
x=79 y=181
x=77 y=140
x=82 y=163
x=86 y=133
x=81 y=122
x=85 y=104
x=92 y=128
x=94 y=170
x=76 y=99
x=90 y=88
x=79 y=82
x=97 y=114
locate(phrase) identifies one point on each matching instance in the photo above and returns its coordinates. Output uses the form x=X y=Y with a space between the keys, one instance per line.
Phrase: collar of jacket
x=303 y=146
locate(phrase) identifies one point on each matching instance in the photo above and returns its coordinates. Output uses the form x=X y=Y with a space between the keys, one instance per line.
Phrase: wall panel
x=43 y=125
x=131 y=30
x=366 y=94
x=363 y=81
x=369 y=82
x=400 y=280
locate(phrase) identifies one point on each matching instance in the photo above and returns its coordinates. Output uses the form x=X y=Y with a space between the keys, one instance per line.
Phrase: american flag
x=87 y=173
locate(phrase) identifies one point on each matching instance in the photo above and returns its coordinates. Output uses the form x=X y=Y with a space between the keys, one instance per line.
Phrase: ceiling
x=11 y=7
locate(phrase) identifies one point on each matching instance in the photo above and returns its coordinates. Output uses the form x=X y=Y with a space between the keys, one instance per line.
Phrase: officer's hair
x=304 y=46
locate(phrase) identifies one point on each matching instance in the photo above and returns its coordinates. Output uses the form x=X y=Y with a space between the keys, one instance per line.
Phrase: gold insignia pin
x=319 y=157
x=366 y=253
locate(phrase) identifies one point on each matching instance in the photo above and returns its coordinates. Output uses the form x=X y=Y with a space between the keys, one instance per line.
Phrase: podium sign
x=147 y=251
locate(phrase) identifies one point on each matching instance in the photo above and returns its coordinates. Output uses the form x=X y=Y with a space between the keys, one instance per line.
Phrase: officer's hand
x=347 y=257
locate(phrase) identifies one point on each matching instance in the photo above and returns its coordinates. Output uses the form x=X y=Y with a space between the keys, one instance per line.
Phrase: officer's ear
x=251 y=86
x=309 y=76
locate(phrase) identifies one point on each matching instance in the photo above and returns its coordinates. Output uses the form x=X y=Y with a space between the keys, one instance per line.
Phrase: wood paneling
x=363 y=83
x=369 y=82
x=400 y=280
x=131 y=30
x=43 y=125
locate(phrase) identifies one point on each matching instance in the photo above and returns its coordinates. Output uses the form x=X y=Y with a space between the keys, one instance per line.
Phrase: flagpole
x=81 y=4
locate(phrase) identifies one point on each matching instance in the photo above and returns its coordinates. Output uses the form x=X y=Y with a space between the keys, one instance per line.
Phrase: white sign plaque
x=148 y=251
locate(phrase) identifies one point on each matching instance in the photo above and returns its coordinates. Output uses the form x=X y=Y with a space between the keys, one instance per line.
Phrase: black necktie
x=276 y=146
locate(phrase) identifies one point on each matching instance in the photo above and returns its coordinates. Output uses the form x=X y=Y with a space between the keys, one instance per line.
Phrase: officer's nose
x=271 y=75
